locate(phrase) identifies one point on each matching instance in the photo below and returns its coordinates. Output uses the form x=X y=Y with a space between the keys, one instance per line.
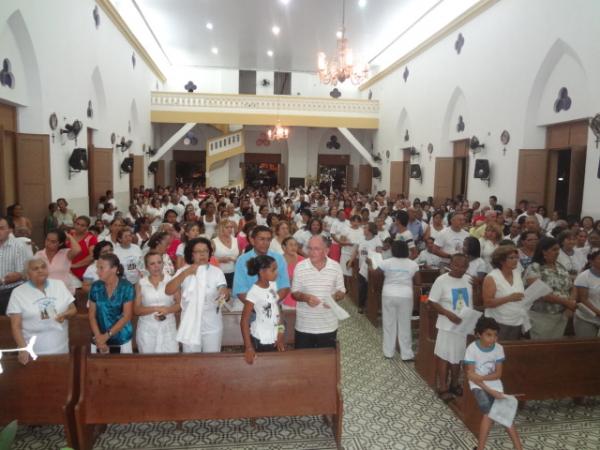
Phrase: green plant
x=7 y=435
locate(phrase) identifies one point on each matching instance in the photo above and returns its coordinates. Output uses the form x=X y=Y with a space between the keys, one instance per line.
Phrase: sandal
x=456 y=390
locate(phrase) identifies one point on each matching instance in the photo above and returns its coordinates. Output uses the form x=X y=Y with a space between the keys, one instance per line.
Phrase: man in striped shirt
x=315 y=279
x=13 y=255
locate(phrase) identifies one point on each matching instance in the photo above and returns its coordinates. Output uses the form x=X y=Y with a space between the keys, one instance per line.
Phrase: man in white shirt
x=403 y=234
x=316 y=279
x=532 y=212
x=450 y=241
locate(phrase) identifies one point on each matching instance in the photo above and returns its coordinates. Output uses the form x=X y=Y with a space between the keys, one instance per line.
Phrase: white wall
x=516 y=57
x=61 y=60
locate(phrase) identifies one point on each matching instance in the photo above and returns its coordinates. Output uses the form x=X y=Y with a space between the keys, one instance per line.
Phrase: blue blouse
x=110 y=310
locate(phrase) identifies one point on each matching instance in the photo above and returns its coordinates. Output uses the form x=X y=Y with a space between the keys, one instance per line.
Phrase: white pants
x=396 y=315
x=211 y=343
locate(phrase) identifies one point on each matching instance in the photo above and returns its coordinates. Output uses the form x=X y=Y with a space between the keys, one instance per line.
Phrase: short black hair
x=472 y=247
x=545 y=244
x=260 y=229
x=486 y=323
x=399 y=249
x=189 y=249
x=98 y=248
x=402 y=217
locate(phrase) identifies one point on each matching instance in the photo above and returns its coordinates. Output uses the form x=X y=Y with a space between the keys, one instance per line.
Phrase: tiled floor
x=387 y=406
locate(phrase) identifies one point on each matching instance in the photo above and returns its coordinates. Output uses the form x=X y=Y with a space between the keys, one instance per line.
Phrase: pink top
x=60 y=267
x=242 y=241
x=289 y=300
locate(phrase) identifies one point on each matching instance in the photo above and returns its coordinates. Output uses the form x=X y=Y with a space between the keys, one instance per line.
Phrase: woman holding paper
x=40 y=308
x=548 y=314
x=203 y=290
x=400 y=272
x=502 y=291
x=587 y=283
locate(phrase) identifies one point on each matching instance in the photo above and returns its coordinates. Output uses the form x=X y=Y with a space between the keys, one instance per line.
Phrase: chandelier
x=341 y=67
x=278 y=133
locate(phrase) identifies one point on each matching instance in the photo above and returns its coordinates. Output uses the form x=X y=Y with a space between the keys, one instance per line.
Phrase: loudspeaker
x=482 y=169
x=153 y=167
x=78 y=159
x=376 y=172
x=127 y=165
x=415 y=171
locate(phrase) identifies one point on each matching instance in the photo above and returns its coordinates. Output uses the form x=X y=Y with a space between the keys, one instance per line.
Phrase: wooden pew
x=207 y=386
x=42 y=392
x=424 y=360
x=80 y=333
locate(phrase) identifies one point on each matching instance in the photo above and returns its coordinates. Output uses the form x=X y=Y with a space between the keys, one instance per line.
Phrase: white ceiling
x=242 y=30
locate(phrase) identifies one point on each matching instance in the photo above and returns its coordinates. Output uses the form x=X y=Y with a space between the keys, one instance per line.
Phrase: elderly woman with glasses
x=502 y=291
x=41 y=308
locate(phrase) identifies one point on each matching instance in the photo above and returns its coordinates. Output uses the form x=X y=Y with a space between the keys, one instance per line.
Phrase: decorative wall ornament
x=190 y=86
x=563 y=102
x=387 y=155
x=406 y=136
x=333 y=143
x=7 y=78
x=460 y=126
x=505 y=139
x=113 y=138
x=430 y=148
x=133 y=61
x=405 y=74
x=458 y=45
x=190 y=139
x=595 y=127
x=263 y=140
x=90 y=110
x=335 y=93
x=53 y=121
x=370 y=97
x=96 y=15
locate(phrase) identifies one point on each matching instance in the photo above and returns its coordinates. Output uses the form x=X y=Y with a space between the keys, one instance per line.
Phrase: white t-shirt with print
x=353 y=235
x=131 y=260
x=264 y=327
x=407 y=237
x=452 y=294
x=484 y=360
x=399 y=273
x=451 y=241
x=364 y=247
x=38 y=310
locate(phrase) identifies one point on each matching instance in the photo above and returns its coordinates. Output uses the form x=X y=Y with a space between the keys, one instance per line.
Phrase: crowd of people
x=194 y=251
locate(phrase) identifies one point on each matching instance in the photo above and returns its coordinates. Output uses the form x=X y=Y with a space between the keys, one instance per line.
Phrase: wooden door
x=576 y=180
x=350 y=176
x=100 y=175
x=532 y=176
x=281 y=178
x=443 y=185
x=33 y=179
x=8 y=181
x=365 y=178
x=397 y=178
x=136 y=178
x=161 y=173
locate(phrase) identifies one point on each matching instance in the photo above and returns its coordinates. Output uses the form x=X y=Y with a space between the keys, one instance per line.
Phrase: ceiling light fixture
x=285 y=2
x=270 y=53
x=215 y=50
x=209 y=25
x=278 y=132
x=275 y=30
x=342 y=66
x=362 y=3
x=338 y=34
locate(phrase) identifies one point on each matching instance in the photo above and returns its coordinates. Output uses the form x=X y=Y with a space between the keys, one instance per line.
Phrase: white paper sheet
x=339 y=312
x=504 y=410
x=376 y=259
x=588 y=314
x=469 y=319
x=537 y=289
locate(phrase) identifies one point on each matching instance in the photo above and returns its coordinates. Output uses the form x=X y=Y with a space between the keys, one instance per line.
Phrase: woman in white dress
x=203 y=292
x=210 y=220
x=156 y=327
x=226 y=249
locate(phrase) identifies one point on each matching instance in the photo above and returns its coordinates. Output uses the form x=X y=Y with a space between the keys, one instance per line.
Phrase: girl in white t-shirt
x=397 y=301
x=266 y=333
x=450 y=294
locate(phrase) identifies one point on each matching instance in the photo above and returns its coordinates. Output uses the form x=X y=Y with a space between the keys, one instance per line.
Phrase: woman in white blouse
x=156 y=327
x=226 y=249
x=282 y=231
x=502 y=290
x=40 y=308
